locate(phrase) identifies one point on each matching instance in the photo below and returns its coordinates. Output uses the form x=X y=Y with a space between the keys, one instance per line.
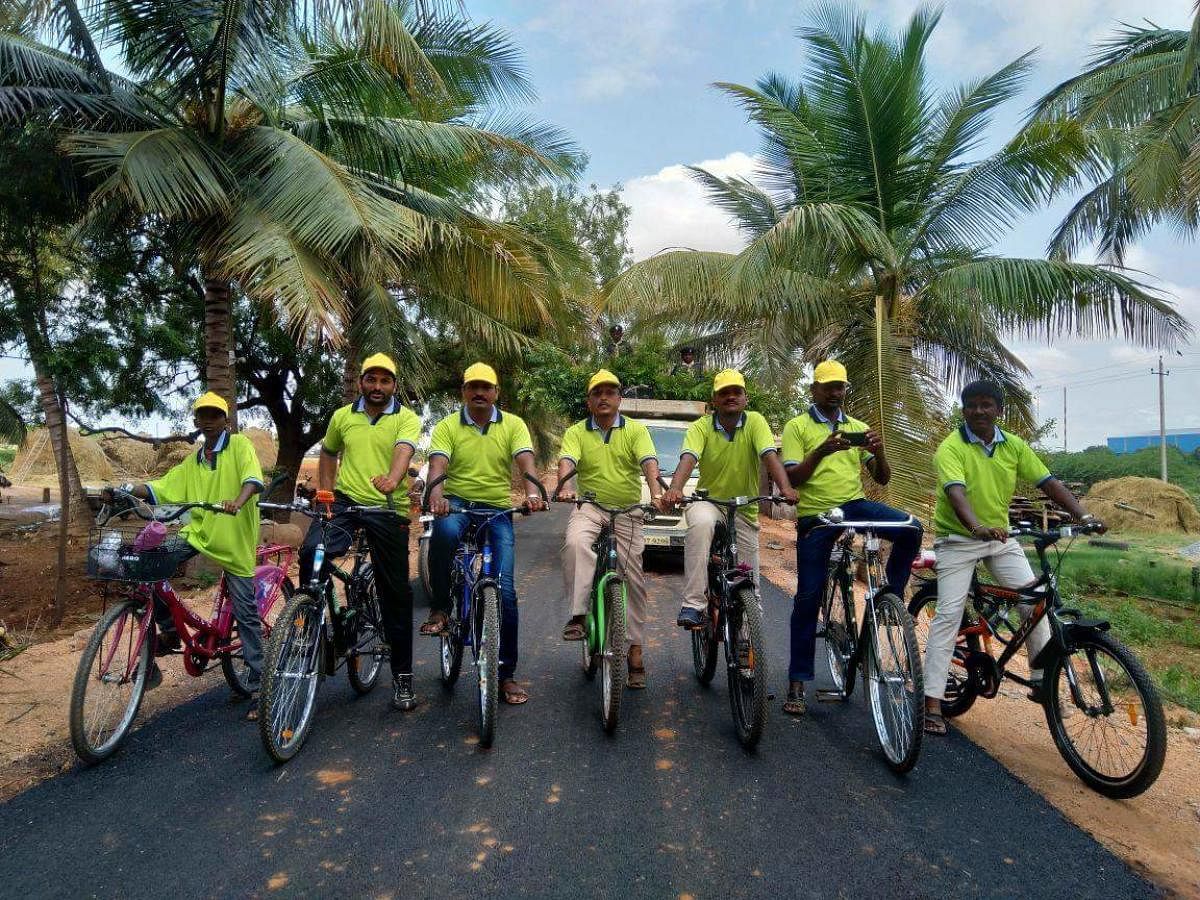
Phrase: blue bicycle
x=474 y=619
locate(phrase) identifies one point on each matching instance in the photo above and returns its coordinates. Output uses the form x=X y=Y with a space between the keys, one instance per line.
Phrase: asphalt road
x=384 y=804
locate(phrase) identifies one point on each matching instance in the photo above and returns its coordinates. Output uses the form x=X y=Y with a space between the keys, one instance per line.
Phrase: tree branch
x=87 y=431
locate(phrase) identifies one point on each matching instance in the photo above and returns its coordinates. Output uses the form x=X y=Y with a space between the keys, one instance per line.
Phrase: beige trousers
x=579 y=563
x=956 y=560
x=702 y=519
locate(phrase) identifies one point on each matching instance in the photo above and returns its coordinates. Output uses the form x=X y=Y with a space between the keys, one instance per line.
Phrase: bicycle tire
x=704 y=649
x=590 y=662
x=898 y=716
x=1140 y=776
x=746 y=666
x=961 y=690
x=233 y=673
x=87 y=746
x=613 y=650
x=294 y=654
x=363 y=676
x=487 y=637
x=836 y=628
x=450 y=654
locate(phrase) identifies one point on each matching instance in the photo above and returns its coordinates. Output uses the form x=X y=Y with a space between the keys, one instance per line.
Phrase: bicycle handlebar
x=137 y=510
x=828 y=520
x=521 y=509
x=1024 y=529
x=733 y=502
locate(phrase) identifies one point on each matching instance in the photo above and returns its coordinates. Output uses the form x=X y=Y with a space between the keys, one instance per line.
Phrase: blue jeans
x=812 y=564
x=447 y=533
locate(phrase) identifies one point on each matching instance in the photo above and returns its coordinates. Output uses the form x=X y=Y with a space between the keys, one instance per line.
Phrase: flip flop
x=795 y=704
x=514 y=695
x=434 y=627
x=573 y=632
x=637 y=678
x=935 y=723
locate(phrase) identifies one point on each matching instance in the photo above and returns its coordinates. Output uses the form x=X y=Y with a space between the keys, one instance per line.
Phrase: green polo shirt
x=229 y=541
x=480 y=459
x=609 y=463
x=837 y=478
x=729 y=462
x=990 y=477
x=366 y=445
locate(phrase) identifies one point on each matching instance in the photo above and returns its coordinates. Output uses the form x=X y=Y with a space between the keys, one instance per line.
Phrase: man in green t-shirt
x=607 y=452
x=728 y=446
x=476 y=448
x=374 y=437
x=225 y=467
x=978 y=465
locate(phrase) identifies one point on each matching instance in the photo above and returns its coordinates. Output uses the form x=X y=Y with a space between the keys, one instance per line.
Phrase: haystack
x=264 y=446
x=35 y=464
x=129 y=457
x=170 y=455
x=1171 y=506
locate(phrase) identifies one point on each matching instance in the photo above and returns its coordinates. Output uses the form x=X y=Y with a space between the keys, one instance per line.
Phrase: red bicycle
x=126 y=552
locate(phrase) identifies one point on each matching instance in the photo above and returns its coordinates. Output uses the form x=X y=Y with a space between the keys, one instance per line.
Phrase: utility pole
x=1162 y=418
x=1064 y=418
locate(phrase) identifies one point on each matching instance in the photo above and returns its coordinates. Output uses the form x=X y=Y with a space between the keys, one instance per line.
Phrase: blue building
x=1186 y=439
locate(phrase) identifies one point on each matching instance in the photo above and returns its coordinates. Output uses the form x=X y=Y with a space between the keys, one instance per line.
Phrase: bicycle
x=605 y=644
x=884 y=649
x=316 y=637
x=474 y=619
x=110 y=680
x=734 y=618
x=1091 y=682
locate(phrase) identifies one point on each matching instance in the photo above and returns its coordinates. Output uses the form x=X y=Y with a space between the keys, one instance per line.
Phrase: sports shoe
x=402 y=692
x=690 y=618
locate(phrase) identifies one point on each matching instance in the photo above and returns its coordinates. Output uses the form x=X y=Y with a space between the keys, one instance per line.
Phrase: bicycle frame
x=470 y=547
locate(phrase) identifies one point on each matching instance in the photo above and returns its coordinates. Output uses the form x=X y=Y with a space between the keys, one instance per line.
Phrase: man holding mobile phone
x=824 y=452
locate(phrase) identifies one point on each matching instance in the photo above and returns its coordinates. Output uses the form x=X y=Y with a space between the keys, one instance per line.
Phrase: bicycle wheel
x=451 y=653
x=233 y=665
x=110 y=681
x=836 y=626
x=366 y=656
x=1105 y=716
x=487 y=643
x=895 y=686
x=613 y=650
x=746 y=660
x=704 y=649
x=291 y=676
x=961 y=690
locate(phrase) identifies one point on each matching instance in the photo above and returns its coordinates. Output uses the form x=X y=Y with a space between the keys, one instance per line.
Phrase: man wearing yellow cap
x=475 y=448
x=728 y=446
x=824 y=452
x=225 y=467
x=607 y=452
x=375 y=438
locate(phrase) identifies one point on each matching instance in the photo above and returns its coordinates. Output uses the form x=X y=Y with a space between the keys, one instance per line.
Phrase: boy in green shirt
x=728 y=446
x=977 y=469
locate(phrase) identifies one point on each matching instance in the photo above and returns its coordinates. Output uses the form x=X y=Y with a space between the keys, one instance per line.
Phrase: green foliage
x=1100 y=464
x=7 y=455
x=1135 y=572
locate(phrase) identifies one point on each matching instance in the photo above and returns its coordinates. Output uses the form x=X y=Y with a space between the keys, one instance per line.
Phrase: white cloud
x=669 y=209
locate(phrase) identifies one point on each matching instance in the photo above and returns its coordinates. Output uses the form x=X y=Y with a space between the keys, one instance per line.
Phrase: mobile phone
x=855 y=438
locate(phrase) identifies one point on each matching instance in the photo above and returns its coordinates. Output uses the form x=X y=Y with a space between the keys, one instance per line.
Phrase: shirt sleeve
x=172 y=487
x=519 y=440
x=333 y=441
x=949 y=465
x=643 y=445
x=571 y=446
x=1029 y=467
x=794 y=450
x=409 y=430
x=249 y=468
x=693 y=440
x=760 y=433
x=441 y=442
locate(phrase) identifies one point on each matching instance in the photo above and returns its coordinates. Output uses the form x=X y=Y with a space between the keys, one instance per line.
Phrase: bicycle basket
x=130 y=551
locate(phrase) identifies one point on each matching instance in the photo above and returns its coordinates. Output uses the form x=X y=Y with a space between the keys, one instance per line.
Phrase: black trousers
x=387 y=536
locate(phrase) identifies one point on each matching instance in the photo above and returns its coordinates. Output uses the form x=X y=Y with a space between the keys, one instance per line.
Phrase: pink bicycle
x=127 y=553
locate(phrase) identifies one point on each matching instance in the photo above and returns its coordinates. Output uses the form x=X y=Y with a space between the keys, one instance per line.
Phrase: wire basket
x=130 y=551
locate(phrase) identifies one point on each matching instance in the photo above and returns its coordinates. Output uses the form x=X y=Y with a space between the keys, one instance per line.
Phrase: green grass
x=7 y=455
x=1100 y=464
x=1137 y=572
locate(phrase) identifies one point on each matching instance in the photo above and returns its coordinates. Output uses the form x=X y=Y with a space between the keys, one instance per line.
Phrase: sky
x=631 y=82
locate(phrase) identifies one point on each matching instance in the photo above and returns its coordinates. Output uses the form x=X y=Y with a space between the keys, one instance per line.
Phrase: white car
x=667 y=421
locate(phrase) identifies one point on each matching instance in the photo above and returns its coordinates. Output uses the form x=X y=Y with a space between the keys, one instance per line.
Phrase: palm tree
x=291 y=141
x=12 y=425
x=1138 y=99
x=868 y=235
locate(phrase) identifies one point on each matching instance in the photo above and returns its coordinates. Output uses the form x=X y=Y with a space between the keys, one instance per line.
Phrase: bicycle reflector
x=325 y=498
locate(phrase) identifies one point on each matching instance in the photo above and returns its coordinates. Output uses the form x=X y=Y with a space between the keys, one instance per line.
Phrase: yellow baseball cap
x=830 y=370
x=728 y=378
x=480 y=372
x=603 y=377
x=379 y=361
x=211 y=400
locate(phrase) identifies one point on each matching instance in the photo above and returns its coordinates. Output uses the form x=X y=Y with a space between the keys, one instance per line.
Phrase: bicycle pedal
x=825 y=695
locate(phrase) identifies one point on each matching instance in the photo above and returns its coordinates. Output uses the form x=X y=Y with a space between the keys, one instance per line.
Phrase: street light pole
x=1162 y=421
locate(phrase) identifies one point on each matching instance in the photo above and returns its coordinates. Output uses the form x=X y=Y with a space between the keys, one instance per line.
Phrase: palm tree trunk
x=218 y=344
x=350 y=373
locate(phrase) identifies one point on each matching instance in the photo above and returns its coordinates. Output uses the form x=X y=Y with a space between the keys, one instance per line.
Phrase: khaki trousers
x=579 y=563
x=956 y=560
x=702 y=519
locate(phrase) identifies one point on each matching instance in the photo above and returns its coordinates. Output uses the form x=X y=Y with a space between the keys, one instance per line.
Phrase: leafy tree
x=869 y=226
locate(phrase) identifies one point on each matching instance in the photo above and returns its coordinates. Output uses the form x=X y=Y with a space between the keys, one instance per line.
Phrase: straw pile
x=264 y=446
x=129 y=457
x=35 y=459
x=170 y=455
x=1171 y=507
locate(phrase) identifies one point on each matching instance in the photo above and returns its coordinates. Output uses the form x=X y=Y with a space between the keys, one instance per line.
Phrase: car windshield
x=668 y=442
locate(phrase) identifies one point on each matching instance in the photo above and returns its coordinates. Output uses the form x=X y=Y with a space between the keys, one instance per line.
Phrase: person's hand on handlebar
x=1093 y=523
x=438 y=504
x=230 y=507
x=982 y=533
x=788 y=495
x=565 y=496
x=535 y=503
x=385 y=484
x=670 y=499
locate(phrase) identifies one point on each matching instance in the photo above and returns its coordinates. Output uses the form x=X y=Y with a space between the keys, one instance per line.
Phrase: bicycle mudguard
x=1074 y=632
x=594 y=625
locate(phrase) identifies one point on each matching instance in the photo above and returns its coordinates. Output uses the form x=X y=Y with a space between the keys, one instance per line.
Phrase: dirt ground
x=1157 y=833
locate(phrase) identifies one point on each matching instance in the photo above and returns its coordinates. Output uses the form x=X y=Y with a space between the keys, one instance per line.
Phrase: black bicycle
x=734 y=619
x=1101 y=706
x=315 y=636
x=884 y=648
x=605 y=635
